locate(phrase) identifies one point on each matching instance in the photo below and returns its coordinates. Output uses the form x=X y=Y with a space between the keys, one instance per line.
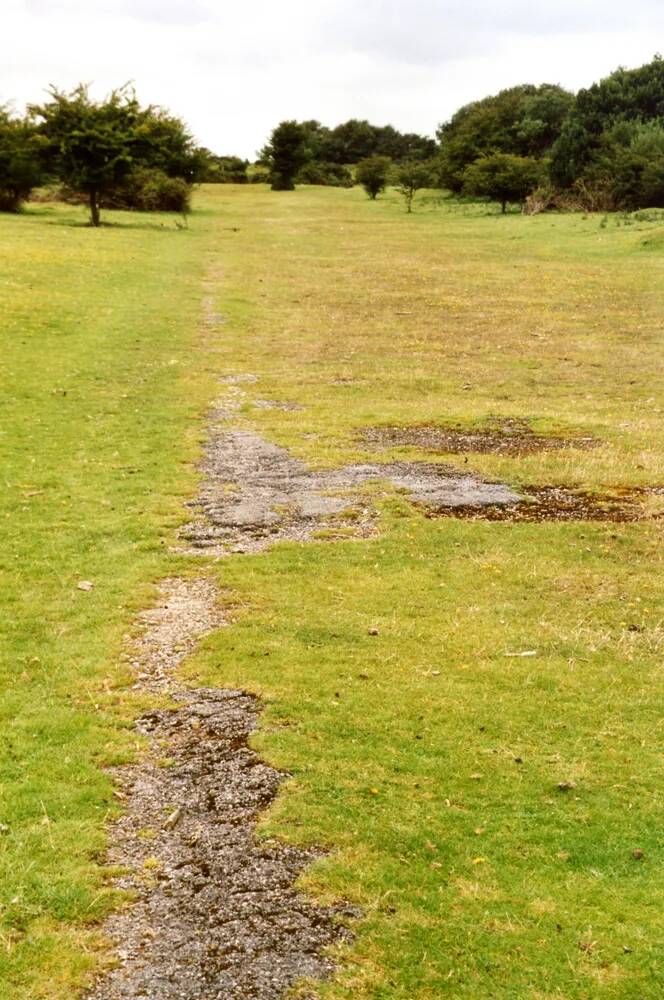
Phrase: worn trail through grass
x=468 y=710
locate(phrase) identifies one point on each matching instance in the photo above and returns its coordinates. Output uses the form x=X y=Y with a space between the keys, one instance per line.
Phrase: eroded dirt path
x=254 y=493
x=216 y=915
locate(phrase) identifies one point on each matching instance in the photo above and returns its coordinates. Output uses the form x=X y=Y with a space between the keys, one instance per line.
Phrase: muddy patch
x=506 y=437
x=557 y=503
x=254 y=493
x=216 y=914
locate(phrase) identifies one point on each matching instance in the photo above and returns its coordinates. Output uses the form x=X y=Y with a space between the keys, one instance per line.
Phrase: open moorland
x=403 y=476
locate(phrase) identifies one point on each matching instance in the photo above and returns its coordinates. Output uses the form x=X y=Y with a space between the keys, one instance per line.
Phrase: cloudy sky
x=234 y=68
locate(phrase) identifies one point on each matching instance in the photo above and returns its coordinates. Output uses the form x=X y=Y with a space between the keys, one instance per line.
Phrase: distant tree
x=523 y=121
x=411 y=177
x=403 y=147
x=316 y=141
x=626 y=96
x=502 y=177
x=373 y=174
x=216 y=169
x=356 y=140
x=20 y=167
x=350 y=142
x=285 y=154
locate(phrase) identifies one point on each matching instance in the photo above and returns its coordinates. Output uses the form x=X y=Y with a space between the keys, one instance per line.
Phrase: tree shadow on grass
x=46 y=213
x=165 y=227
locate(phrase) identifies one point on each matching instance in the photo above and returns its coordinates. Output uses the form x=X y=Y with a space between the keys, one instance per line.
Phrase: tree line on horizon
x=599 y=149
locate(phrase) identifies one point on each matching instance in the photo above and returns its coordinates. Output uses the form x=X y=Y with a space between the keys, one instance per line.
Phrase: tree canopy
x=93 y=146
x=373 y=174
x=285 y=154
x=592 y=131
x=502 y=177
x=20 y=167
x=411 y=176
x=522 y=121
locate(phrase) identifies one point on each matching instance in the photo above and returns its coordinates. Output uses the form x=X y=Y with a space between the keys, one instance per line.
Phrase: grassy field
x=425 y=756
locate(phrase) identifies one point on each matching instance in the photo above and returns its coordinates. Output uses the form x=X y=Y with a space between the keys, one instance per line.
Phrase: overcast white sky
x=234 y=68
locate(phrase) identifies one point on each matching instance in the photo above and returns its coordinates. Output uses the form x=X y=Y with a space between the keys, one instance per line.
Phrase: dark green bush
x=149 y=190
x=325 y=174
x=502 y=177
x=373 y=173
x=20 y=168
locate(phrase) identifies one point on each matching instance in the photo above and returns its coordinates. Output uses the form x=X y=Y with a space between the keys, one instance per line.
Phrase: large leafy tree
x=626 y=96
x=285 y=154
x=20 y=167
x=522 y=121
x=90 y=143
x=95 y=146
x=163 y=142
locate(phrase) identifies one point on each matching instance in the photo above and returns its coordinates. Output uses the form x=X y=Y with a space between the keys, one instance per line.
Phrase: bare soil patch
x=277 y=404
x=506 y=437
x=216 y=915
x=254 y=493
x=558 y=503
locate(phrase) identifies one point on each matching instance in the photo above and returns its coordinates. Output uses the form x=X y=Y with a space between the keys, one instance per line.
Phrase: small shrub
x=411 y=177
x=373 y=173
x=148 y=190
x=503 y=177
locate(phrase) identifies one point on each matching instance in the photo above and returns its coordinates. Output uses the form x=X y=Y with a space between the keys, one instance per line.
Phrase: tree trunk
x=94 y=207
x=504 y=207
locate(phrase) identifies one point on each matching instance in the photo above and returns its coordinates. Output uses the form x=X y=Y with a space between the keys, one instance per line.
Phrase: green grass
x=98 y=399
x=424 y=756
